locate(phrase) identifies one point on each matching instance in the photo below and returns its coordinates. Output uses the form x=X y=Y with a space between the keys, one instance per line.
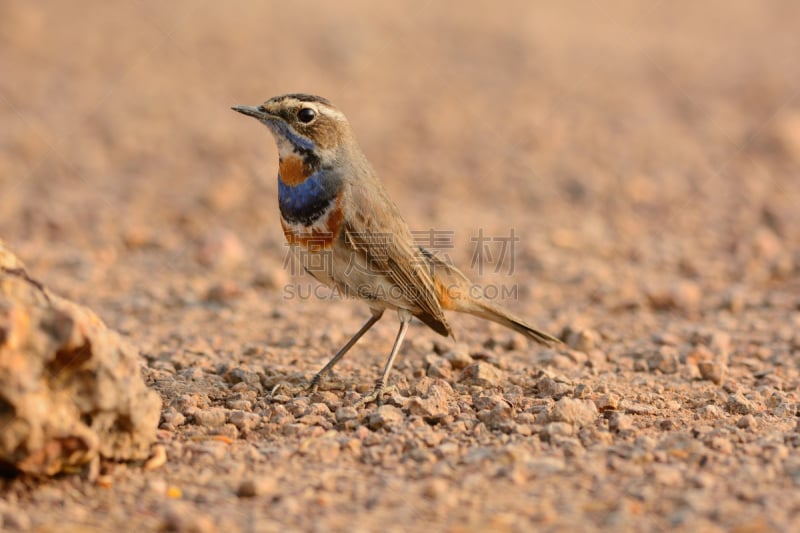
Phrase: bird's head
x=303 y=125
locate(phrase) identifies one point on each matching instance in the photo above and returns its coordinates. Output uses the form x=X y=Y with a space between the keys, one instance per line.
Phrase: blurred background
x=646 y=153
x=630 y=144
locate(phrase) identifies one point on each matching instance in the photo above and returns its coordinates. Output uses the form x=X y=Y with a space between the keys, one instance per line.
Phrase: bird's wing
x=374 y=227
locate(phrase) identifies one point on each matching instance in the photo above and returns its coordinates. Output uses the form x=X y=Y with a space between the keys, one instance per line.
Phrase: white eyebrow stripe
x=335 y=113
x=320 y=108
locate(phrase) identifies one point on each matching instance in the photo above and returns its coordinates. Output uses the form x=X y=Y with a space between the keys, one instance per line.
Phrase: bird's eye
x=306 y=115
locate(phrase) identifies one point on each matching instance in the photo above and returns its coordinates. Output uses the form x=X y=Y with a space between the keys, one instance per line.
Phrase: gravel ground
x=646 y=156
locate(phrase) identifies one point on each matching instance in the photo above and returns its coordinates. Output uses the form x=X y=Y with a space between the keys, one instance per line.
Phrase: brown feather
x=375 y=227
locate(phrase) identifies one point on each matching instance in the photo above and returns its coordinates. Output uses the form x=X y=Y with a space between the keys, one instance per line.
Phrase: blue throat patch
x=307 y=201
x=283 y=129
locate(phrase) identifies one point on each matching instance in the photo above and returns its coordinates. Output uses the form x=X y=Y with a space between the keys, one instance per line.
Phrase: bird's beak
x=251 y=111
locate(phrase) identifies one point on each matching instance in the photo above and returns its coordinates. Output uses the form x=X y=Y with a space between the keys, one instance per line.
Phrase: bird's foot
x=276 y=388
x=313 y=386
x=376 y=395
x=285 y=388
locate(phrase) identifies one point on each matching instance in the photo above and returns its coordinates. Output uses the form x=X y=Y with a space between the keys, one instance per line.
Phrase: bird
x=335 y=211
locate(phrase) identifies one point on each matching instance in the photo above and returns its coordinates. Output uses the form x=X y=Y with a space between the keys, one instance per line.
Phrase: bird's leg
x=376 y=315
x=380 y=384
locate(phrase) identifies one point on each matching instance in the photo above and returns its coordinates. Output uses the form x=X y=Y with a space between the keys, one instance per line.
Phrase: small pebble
x=211 y=418
x=501 y=417
x=712 y=371
x=459 y=357
x=385 y=416
x=346 y=413
x=435 y=403
x=247 y=489
x=739 y=405
x=243 y=420
x=481 y=374
x=665 y=360
x=558 y=429
x=583 y=340
x=550 y=388
x=571 y=411
x=224 y=291
x=608 y=402
x=746 y=422
x=438 y=367
x=620 y=422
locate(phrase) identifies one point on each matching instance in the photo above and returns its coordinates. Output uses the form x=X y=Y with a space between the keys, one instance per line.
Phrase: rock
x=608 y=402
x=737 y=404
x=666 y=338
x=258 y=486
x=385 y=416
x=583 y=340
x=683 y=295
x=222 y=292
x=459 y=357
x=481 y=374
x=746 y=422
x=710 y=411
x=620 y=422
x=665 y=360
x=699 y=353
x=712 y=371
x=247 y=489
x=345 y=413
x=782 y=408
x=557 y=429
x=712 y=344
x=550 y=388
x=434 y=404
x=243 y=420
x=436 y=488
x=720 y=444
x=211 y=418
x=70 y=389
x=577 y=412
x=501 y=417
x=438 y=367
x=180 y=517
x=138 y=237
x=172 y=418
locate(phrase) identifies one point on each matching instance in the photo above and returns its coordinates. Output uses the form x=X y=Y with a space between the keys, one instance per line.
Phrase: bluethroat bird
x=332 y=203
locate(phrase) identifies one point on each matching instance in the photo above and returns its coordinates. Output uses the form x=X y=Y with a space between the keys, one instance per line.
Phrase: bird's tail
x=485 y=310
x=455 y=293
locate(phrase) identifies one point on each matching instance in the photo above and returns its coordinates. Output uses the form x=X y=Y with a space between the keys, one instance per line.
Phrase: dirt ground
x=646 y=155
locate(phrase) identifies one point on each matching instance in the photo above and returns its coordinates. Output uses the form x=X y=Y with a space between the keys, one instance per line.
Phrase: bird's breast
x=304 y=196
x=310 y=203
x=293 y=170
x=319 y=235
